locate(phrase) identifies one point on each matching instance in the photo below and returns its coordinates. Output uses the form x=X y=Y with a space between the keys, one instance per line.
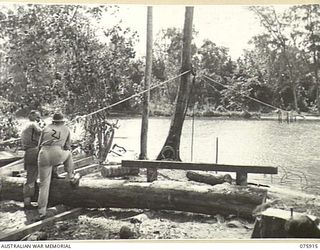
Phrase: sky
x=231 y=26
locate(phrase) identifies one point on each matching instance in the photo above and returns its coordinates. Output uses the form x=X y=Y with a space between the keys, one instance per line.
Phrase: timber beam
x=241 y=170
x=78 y=164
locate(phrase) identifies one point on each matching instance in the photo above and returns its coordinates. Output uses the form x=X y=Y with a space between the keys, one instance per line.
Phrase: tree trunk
x=316 y=75
x=169 y=195
x=171 y=148
x=292 y=81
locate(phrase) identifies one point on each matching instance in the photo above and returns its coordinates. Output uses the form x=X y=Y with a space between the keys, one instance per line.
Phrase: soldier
x=29 y=140
x=54 y=150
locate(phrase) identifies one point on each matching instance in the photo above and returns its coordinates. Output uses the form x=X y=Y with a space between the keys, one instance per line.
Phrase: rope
x=192 y=134
x=132 y=96
x=254 y=99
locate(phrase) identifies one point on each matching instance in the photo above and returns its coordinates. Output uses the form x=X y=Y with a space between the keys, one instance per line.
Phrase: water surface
x=293 y=148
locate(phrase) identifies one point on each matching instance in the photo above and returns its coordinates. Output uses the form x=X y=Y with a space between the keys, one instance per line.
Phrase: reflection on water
x=293 y=148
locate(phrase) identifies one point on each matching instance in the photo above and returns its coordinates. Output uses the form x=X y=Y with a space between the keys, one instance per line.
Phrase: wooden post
x=279 y=116
x=172 y=144
x=217 y=149
x=241 y=178
x=146 y=97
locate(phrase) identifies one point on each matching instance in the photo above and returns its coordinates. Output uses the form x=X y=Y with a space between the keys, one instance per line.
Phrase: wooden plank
x=86 y=170
x=199 y=166
x=13 y=166
x=18 y=165
x=77 y=164
x=22 y=232
x=4 y=162
x=9 y=142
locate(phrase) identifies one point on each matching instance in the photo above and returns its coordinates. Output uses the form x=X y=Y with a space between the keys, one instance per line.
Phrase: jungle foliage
x=61 y=56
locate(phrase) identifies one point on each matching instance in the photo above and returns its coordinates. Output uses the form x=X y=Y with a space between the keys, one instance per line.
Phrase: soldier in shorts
x=29 y=139
x=54 y=150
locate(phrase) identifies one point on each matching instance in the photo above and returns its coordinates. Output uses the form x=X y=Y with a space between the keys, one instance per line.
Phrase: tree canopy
x=62 y=56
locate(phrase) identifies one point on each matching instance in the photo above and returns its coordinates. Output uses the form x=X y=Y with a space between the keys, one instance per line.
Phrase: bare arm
x=40 y=139
x=36 y=127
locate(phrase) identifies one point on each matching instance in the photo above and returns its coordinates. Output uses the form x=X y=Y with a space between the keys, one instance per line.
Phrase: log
x=117 y=171
x=221 y=199
x=208 y=178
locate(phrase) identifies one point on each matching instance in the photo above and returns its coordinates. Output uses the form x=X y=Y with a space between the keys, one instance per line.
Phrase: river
x=294 y=148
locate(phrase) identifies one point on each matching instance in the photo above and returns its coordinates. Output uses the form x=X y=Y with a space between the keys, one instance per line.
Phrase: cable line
x=132 y=96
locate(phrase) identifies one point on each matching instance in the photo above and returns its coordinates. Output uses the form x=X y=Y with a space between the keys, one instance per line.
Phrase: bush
x=8 y=127
x=8 y=123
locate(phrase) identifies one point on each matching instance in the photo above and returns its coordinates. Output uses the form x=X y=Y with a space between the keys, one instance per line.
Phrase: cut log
x=208 y=178
x=221 y=199
x=277 y=223
x=117 y=171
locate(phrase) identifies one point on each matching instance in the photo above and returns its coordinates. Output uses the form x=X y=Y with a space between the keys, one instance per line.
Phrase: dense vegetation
x=62 y=57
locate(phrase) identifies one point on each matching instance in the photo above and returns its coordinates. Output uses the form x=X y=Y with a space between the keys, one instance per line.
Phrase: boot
x=54 y=174
x=75 y=180
x=28 y=205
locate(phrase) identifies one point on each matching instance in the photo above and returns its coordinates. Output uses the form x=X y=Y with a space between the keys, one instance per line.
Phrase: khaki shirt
x=55 y=135
x=30 y=135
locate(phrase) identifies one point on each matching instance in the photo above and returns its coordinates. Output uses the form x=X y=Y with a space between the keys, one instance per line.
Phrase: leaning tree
x=171 y=148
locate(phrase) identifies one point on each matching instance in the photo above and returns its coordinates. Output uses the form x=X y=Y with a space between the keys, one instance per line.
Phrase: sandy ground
x=105 y=224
